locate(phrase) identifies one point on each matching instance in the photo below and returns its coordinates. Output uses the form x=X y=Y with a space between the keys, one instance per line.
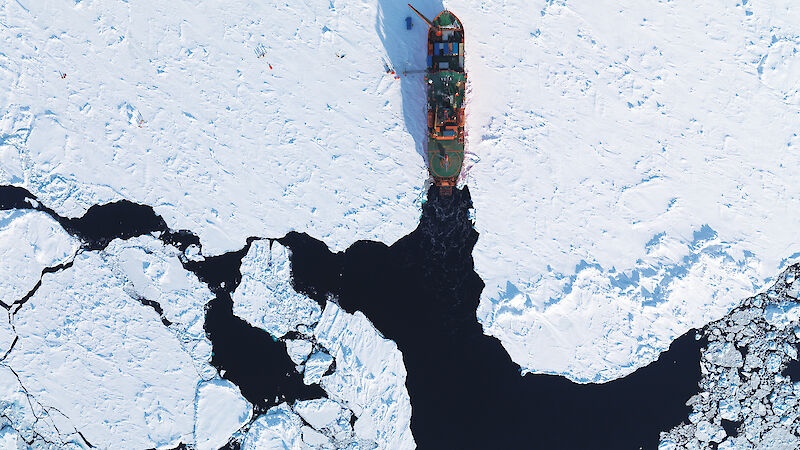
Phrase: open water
x=422 y=293
x=466 y=393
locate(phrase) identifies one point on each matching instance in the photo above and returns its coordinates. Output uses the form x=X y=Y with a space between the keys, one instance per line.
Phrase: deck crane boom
x=425 y=19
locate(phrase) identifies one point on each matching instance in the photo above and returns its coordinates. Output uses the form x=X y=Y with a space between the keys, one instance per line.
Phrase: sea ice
x=30 y=241
x=26 y=416
x=153 y=271
x=104 y=360
x=762 y=403
x=277 y=429
x=221 y=411
x=267 y=118
x=316 y=366
x=369 y=377
x=113 y=347
x=265 y=297
x=633 y=170
x=298 y=349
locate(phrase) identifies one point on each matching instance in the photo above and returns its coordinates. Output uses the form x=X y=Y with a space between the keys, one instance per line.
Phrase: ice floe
x=268 y=118
x=633 y=171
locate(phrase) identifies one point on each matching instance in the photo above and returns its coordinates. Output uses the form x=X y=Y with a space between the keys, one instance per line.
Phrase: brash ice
x=446 y=82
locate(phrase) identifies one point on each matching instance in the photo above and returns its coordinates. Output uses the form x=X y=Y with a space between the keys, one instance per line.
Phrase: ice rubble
x=634 y=170
x=231 y=119
x=368 y=379
x=92 y=356
x=741 y=377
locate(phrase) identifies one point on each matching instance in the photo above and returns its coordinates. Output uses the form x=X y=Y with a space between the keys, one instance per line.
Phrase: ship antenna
x=438 y=31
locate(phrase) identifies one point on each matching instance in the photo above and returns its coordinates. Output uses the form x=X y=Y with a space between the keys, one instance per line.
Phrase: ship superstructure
x=446 y=82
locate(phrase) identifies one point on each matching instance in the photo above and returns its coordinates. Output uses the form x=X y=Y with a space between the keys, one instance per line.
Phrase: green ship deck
x=446 y=138
x=445 y=158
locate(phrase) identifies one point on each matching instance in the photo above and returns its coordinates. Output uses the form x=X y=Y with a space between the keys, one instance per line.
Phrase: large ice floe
x=633 y=170
x=746 y=400
x=110 y=351
x=361 y=371
x=231 y=119
x=30 y=241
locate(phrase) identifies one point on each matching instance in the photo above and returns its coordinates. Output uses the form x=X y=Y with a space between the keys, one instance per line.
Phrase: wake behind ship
x=445 y=81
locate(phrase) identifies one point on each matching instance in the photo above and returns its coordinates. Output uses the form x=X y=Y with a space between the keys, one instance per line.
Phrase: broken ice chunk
x=319 y=413
x=221 y=410
x=316 y=366
x=314 y=438
x=723 y=354
x=773 y=363
x=278 y=428
x=298 y=350
x=782 y=314
x=729 y=409
x=705 y=431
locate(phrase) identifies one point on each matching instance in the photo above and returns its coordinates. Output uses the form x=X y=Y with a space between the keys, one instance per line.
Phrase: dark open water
x=245 y=355
x=422 y=293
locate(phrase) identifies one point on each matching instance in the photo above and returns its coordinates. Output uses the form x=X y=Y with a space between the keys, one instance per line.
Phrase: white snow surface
x=29 y=242
x=153 y=271
x=633 y=170
x=265 y=297
x=369 y=377
x=92 y=358
x=277 y=429
x=174 y=105
x=221 y=411
x=104 y=360
x=316 y=366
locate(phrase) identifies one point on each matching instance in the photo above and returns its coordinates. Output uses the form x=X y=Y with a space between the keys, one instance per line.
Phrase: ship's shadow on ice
x=407 y=52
